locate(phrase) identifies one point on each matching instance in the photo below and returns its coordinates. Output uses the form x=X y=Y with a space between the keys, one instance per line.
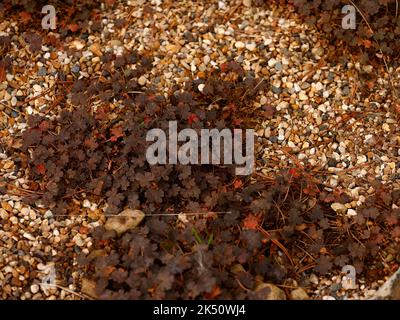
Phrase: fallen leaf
x=192 y=118
x=250 y=222
x=117 y=132
x=73 y=27
x=25 y=16
x=2 y=74
x=41 y=169
x=237 y=184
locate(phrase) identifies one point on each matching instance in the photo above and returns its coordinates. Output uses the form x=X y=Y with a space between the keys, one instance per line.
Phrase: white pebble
x=142 y=80
x=351 y=212
x=34 y=288
x=86 y=203
x=239 y=44
x=251 y=46
x=37 y=88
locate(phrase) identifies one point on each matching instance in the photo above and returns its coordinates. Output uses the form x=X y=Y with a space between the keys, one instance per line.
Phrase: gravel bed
x=315 y=114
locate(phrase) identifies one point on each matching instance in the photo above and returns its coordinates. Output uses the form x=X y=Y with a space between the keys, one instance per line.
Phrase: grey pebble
x=276 y=90
x=278 y=66
x=42 y=71
x=75 y=69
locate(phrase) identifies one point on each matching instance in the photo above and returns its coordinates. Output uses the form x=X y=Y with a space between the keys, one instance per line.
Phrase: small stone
x=86 y=203
x=272 y=292
x=14 y=101
x=368 y=69
x=96 y=49
x=351 y=212
x=201 y=87
x=251 y=46
x=260 y=132
x=277 y=83
x=314 y=279
x=127 y=219
x=25 y=211
x=263 y=100
x=3 y=214
x=278 y=66
x=267 y=132
x=28 y=236
x=34 y=288
x=142 y=80
x=303 y=96
x=319 y=51
x=75 y=69
x=42 y=72
x=386 y=127
x=239 y=44
x=37 y=88
x=172 y=48
x=79 y=241
x=8 y=164
x=6 y=206
x=299 y=294
x=115 y=43
x=338 y=207
x=282 y=105
x=78 y=45
x=276 y=90
x=319 y=86
x=247 y=3
x=328 y=298
x=271 y=62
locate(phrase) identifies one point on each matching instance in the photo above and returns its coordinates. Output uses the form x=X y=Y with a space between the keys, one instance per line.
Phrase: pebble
x=127 y=219
x=28 y=236
x=251 y=46
x=338 y=207
x=37 y=88
x=313 y=279
x=278 y=66
x=303 y=96
x=299 y=294
x=142 y=80
x=42 y=71
x=239 y=44
x=328 y=298
x=247 y=3
x=96 y=49
x=75 y=69
x=351 y=212
x=34 y=288
x=86 y=203
x=272 y=62
x=78 y=45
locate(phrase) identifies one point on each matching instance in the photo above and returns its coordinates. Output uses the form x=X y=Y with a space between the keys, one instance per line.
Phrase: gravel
x=311 y=96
